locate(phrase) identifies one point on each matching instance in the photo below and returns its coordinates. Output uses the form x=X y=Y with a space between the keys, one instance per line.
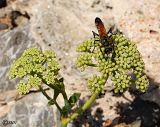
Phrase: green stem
x=59 y=108
x=65 y=121
x=49 y=98
x=64 y=94
x=44 y=93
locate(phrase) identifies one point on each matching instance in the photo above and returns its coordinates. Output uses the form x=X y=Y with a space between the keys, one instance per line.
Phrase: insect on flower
x=104 y=36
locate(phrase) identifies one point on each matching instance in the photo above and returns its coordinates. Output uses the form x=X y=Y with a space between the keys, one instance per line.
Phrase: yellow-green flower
x=123 y=59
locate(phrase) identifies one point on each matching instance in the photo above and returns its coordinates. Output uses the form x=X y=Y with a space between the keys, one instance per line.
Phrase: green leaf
x=70 y=103
x=74 y=98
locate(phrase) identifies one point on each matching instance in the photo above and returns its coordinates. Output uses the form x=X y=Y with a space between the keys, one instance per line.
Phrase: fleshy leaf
x=74 y=98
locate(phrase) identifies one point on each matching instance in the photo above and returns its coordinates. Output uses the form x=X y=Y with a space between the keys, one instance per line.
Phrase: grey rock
x=13 y=43
x=30 y=111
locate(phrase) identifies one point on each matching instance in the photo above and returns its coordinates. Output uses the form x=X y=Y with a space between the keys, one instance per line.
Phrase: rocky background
x=62 y=25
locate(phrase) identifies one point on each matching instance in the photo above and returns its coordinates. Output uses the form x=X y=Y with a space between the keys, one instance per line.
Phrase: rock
x=6 y=97
x=19 y=19
x=32 y=110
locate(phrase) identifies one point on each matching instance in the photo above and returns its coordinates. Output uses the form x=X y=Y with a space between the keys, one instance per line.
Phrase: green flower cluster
x=22 y=87
x=86 y=60
x=88 y=44
x=34 y=67
x=141 y=83
x=34 y=81
x=117 y=64
x=128 y=59
x=96 y=83
x=49 y=76
x=121 y=82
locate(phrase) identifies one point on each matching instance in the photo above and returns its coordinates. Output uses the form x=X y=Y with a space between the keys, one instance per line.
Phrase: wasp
x=104 y=36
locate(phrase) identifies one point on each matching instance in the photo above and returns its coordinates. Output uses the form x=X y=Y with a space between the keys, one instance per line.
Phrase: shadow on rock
x=89 y=120
x=139 y=110
x=145 y=107
x=143 y=111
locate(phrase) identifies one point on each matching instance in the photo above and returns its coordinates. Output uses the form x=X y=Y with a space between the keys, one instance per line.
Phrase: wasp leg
x=118 y=31
x=115 y=29
x=110 y=31
x=108 y=50
x=94 y=35
x=104 y=52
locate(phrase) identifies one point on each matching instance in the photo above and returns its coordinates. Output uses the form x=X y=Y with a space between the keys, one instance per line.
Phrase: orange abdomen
x=100 y=27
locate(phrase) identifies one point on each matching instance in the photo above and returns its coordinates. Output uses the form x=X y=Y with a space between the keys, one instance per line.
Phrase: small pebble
x=3 y=26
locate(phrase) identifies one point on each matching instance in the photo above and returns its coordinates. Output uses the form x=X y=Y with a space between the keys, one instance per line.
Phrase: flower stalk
x=89 y=102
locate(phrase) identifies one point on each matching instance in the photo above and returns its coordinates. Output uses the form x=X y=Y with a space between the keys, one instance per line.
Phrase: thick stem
x=65 y=121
